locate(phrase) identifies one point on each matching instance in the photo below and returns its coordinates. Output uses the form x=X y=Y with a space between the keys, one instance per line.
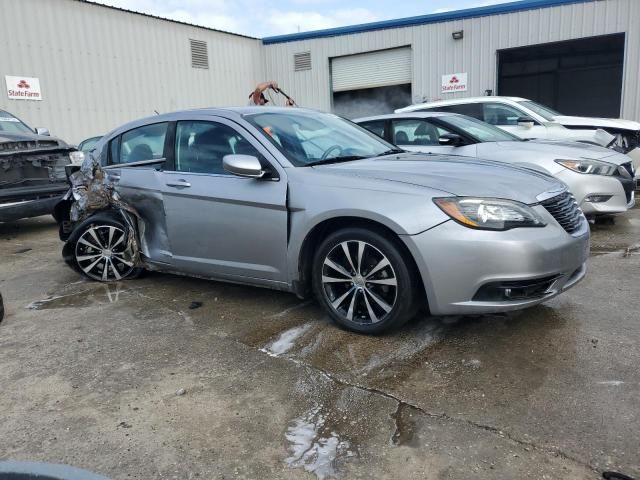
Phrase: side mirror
x=451 y=140
x=243 y=166
x=42 y=131
x=526 y=122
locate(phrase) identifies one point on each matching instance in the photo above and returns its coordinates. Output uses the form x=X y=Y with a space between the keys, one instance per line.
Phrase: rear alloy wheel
x=363 y=281
x=103 y=253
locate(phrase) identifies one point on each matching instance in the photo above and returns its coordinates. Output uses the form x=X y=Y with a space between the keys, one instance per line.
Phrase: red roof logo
x=23 y=84
x=454 y=79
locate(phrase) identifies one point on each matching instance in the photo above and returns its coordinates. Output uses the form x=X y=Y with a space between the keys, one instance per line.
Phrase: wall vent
x=301 y=61
x=199 y=54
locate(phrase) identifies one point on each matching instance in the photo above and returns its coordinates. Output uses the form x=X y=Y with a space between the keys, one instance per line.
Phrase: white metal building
x=516 y=49
x=99 y=66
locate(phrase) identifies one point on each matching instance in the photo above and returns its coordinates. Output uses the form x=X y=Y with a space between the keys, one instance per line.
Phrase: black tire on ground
x=329 y=288
x=108 y=239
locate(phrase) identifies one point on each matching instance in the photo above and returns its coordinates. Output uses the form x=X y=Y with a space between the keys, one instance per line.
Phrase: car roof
x=458 y=101
x=231 y=113
x=387 y=116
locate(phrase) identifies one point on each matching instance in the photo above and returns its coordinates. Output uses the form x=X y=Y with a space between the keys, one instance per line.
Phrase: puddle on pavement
x=286 y=340
x=101 y=293
x=315 y=448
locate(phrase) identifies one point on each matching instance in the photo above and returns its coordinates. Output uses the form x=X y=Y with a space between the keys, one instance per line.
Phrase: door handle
x=178 y=183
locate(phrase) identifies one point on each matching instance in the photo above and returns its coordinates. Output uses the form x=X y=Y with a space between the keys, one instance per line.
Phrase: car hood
x=598 y=122
x=452 y=174
x=558 y=149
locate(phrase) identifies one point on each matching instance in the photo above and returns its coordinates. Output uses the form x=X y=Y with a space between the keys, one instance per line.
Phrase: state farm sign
x=455 y=82
x=23 y=88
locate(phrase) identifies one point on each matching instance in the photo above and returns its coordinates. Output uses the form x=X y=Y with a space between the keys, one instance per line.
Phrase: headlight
x=592 y=167
x=77 y=157
x=489 y=213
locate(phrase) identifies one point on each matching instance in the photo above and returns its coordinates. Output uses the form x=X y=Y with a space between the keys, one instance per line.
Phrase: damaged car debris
x=32 y=170
x=106 y=252
x=306 y=202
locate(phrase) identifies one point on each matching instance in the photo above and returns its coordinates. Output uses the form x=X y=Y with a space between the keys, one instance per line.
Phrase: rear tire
x=101 y=251
x=364 y=281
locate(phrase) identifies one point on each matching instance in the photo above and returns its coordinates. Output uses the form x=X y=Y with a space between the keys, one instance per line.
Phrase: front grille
x=565 y=210
x=625 y=174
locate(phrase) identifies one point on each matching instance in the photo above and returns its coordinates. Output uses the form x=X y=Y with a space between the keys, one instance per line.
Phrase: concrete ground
x=127 y=381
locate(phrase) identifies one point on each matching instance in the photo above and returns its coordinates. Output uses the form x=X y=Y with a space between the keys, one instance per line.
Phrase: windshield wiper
x=393 y=151
x=344 y=158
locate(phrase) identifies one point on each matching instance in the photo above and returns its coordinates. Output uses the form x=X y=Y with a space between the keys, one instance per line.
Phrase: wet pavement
x=172 y=377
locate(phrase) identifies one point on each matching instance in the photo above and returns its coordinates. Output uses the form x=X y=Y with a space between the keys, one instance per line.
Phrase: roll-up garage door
x=371 y=70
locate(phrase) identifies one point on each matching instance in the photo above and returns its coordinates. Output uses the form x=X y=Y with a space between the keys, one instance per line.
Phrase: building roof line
x=98 y=4
x=516 y=6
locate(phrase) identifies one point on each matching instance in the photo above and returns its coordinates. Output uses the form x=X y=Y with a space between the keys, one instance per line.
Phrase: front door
x=220 y=224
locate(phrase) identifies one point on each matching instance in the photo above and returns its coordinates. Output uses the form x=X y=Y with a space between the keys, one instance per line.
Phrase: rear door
x=220 y=224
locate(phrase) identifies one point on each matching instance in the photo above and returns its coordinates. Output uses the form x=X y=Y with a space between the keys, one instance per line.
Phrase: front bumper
x=455 y=262
x=584 y=186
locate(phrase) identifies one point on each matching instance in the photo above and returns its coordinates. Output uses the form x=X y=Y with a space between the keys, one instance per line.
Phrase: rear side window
x=375 y=126
x=201 y=146
x=143 y=143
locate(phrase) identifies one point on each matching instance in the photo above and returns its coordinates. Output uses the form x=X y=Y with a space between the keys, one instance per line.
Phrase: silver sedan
x=307 y=202
x=601 y=179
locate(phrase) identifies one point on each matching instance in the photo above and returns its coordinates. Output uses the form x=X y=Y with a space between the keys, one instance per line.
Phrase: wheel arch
x=321 y=230
x=108 y=214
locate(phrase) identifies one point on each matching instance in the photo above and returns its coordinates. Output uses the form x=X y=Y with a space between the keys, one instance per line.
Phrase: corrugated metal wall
x=99 y=67
x=435 y=53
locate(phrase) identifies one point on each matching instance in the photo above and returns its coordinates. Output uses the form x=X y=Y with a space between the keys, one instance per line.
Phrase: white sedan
x=528 y=119
x=600 y=179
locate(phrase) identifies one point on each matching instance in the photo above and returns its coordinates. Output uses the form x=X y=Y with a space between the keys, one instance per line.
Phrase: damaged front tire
x=103 y=250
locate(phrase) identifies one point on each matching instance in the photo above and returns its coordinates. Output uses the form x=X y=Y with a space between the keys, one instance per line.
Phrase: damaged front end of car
x=32 y=176
x=101 y=232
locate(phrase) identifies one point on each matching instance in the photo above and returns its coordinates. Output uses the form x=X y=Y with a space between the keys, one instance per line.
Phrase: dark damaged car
x=32 y=170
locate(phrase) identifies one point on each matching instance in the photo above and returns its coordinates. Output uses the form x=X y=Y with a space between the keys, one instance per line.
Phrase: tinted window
x=416 y=132
x=471 y=109
x=499 y=114
x=143 y=143
x=375 y=126
x=201 y=146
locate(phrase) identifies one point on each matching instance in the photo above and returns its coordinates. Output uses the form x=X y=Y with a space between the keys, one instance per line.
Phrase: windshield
x=478 y=130
x=88 y=144
x=308 y=139
x=10 y=124
x=545 y=112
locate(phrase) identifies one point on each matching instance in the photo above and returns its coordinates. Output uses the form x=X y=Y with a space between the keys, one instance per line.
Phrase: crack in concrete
x=406 y=404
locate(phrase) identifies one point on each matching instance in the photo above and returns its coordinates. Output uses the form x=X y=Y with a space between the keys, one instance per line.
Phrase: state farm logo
x=23 y=88
x=454 y=82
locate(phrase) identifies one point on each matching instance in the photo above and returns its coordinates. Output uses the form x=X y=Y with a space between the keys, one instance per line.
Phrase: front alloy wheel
x=364 y=281
x=102 y=253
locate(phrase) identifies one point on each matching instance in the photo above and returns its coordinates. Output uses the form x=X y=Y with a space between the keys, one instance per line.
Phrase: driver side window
x=201 y=146
x=503 y=115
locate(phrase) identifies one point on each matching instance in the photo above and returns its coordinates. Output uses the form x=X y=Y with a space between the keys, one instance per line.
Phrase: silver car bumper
x=458 y=264
x=584 y=186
